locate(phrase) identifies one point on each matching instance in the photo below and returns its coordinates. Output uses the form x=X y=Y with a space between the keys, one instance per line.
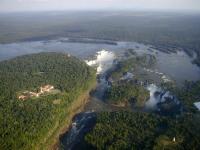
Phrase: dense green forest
x=29 y=124
x=128 y=130
x=188 y=95
x=127 y=93
x=34 y=122
x=124 y=92
x=124 y=130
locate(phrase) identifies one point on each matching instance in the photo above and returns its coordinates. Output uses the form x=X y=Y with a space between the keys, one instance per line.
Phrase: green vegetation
x=128 y=65
x=189 y=95
x=32 y=123
x=128 y=130
x=35 y=122
x=127 y=93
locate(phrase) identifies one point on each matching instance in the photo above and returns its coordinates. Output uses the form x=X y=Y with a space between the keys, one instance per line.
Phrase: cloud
x=33 y=0
x=8 y=5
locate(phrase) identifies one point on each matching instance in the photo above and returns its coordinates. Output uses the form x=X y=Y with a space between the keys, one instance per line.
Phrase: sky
x=43 y=5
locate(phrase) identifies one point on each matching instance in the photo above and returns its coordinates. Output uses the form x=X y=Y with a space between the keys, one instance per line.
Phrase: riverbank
x=53 y=142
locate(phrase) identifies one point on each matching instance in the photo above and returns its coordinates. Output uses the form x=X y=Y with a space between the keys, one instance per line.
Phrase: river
x=101 y=54
x=177 y=66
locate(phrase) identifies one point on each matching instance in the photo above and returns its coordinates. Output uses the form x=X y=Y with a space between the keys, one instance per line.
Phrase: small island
x=127 y=94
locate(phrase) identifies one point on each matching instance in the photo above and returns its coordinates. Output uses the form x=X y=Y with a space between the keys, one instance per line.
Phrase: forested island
x=173 y=123
x=36 y=121
x=146 y=130
x=127 y=88
x=126 y=94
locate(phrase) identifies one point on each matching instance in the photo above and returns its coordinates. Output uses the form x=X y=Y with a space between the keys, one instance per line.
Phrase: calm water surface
x=177 y=66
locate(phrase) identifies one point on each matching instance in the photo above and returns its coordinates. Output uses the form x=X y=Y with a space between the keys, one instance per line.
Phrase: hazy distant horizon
x=99 y=5
x=104 y=10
